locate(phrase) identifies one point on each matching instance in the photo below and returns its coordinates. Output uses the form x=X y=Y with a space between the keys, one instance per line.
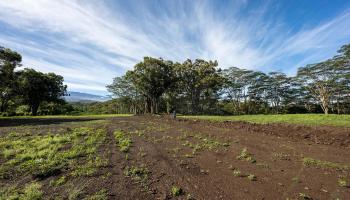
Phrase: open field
x=304 y=119
x=140 y=157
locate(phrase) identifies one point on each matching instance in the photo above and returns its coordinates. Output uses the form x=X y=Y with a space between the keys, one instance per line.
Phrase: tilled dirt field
x=186 y=159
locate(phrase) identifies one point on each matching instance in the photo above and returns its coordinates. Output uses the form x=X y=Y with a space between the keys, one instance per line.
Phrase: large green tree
x=152 y=78
x=197 y=78
x=36 y=87
x=9 y=60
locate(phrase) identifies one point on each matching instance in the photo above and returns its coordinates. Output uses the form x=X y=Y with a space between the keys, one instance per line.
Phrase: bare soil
x=166 y=148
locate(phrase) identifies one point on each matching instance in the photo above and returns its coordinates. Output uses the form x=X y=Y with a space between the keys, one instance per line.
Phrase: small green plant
x=84 y=170
x=176 y=191
x=32 y=192
x=58 y=182
x=245 y=155
x=236 y=172
x=342 y=182
x=305 y=196
x=123 y=141
x=252 y=177
x=325 y=164
x=139 y=174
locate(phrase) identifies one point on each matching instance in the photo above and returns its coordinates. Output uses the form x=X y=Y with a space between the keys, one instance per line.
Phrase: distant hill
x=85 y=97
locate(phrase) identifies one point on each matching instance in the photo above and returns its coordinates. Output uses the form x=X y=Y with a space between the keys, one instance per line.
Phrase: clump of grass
x=342 y=182
x=252 y=177
x=75 y=193
x=123 y=141
x=236 y=173
x=245 y=155
x=139 y=174
x=325 y=164
x=305 y=196
x=32 y=192
x=176 y=191
x=58 y=182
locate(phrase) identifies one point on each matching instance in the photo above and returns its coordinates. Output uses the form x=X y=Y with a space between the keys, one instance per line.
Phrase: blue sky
x=90 y=42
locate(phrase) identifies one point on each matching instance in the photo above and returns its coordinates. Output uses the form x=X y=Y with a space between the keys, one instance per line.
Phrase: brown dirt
x=160 y=144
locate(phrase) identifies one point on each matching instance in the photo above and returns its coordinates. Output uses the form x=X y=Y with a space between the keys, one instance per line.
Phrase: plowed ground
x=186 y=159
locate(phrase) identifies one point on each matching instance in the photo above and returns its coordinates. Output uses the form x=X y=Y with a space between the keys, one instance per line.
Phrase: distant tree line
x=200 y=87
x=28 y=91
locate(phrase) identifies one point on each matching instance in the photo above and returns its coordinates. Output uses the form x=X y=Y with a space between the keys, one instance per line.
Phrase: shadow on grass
x=10 y=122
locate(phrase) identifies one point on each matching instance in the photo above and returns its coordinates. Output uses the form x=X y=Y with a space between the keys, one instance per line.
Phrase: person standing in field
x=174 y=114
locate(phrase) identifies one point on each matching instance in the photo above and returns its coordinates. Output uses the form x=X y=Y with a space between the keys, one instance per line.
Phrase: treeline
x=200 y=87
x=27 y=91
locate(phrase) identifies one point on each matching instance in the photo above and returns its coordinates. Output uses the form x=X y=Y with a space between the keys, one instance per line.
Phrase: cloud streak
x=90 y=42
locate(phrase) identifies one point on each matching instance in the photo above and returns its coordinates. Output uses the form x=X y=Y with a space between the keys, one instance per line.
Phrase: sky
x=89 y=42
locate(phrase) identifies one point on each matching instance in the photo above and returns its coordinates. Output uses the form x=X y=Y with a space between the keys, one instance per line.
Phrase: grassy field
x=304 y=119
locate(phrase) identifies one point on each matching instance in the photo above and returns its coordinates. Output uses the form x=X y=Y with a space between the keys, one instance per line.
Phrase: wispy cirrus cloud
x=90 y=42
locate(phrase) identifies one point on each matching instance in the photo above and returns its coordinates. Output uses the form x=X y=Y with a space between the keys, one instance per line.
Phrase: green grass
x=325 y=164
x=45 y=155
x=176 y=191
x=31 y=191
x=304 y=119
x=123 y=140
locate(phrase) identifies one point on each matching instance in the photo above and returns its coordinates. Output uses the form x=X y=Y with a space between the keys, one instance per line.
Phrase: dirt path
x=118 y=185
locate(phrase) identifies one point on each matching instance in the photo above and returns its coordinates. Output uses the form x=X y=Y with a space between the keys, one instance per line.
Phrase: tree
x=129 y=98
x=36 y=87
x=278 y=90
x=9 y=60
x=152 y=78
x=321 y=81
x=198 y=77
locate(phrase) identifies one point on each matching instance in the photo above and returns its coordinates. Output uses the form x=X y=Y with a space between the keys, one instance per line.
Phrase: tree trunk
x=34 y=109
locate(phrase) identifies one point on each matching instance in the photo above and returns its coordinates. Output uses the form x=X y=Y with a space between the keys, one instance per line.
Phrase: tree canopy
x=200 y=87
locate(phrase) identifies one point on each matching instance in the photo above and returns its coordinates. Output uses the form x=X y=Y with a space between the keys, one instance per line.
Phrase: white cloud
x=92 y=42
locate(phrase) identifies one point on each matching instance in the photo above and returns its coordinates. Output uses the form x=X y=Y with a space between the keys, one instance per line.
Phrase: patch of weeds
x=90 y=167
x=342 y=182
x=123 y=141
x=252 y=177
x=31 y=191
x=46 y=155
x=305 y=196
x=245 y=155
x=137 y=173
x=75 y=193
x=237 y=173
x=58 y=182
x=325 y=164
x=176 y=191
x=100 y=195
